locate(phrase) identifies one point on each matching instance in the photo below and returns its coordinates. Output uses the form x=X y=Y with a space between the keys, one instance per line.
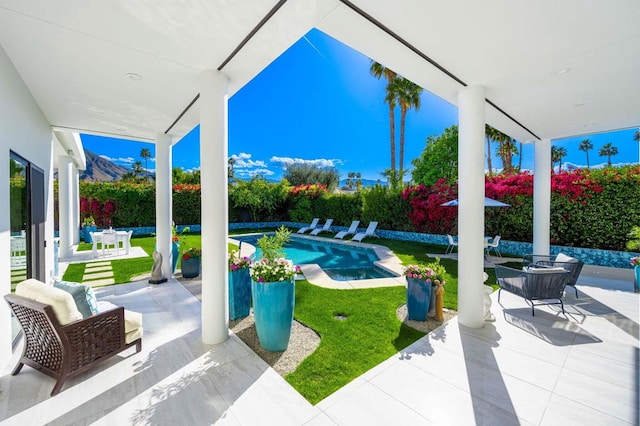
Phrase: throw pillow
x=82 y=294
x=561 y=257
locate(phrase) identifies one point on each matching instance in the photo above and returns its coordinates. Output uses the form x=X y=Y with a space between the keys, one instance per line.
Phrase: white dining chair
x=453 y=244
x=109 y=239
x=493 y=245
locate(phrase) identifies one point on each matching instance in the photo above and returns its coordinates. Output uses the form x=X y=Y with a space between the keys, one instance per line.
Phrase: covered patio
x=578 y=368
x=152 y=71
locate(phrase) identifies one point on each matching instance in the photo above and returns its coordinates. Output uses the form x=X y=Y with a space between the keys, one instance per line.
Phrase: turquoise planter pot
x=239 y=294
x=273 y=305
x=636 y=285
x=418 y=298
x=190 y=267
x=86 y=233
x=175 y=252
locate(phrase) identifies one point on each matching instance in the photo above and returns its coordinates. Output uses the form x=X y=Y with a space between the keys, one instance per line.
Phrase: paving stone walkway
x=97 y=274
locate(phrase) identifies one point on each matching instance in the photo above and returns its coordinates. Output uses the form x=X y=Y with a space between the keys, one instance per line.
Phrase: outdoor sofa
x=544 y=285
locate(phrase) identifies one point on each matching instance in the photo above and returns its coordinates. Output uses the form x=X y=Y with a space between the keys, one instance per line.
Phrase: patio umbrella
x=488 y=202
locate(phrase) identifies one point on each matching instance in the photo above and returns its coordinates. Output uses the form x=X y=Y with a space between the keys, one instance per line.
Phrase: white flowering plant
x=266 y=271
x=273 y=266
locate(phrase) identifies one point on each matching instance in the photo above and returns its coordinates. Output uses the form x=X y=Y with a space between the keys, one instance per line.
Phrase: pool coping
x=316 y=276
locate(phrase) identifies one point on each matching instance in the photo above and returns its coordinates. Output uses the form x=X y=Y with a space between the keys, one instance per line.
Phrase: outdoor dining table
x=121 y=236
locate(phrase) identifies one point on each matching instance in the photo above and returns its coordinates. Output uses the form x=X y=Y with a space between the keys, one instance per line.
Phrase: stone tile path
x=98 y=274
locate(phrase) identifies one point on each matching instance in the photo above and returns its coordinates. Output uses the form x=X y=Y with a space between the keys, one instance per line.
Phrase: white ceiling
x=74 y=56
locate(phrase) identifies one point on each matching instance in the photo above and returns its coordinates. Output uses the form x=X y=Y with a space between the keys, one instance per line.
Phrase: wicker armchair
x=571 y=264
x=64 y=351
x=534 y=284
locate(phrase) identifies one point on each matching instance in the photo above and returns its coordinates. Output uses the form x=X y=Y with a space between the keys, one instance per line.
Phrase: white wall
x=25 y=131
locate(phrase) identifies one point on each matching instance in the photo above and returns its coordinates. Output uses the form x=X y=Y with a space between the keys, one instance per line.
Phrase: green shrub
x=387 y=207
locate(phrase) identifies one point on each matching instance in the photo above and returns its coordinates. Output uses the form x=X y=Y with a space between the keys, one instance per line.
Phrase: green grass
x=370 y=334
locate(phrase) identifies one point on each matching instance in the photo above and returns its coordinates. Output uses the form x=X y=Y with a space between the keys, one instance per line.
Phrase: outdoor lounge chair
x=571 y=264
x=452 y=244
x=59 y=340
x=353 y=229
x=493 y=244
x=325 y=228
x=533 y=284
x=312 y=225
x=370 y=232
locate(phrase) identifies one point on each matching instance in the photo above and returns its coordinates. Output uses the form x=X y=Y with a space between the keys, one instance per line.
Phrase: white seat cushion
x=561 y=257
x=132 y=320
x=62 y=302
x=539 y=270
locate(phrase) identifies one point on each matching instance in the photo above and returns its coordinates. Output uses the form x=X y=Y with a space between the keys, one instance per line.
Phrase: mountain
x=365 y=183
x=101 y=170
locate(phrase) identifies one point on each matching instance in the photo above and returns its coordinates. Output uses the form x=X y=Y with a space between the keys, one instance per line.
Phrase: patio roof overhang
x=550 y=69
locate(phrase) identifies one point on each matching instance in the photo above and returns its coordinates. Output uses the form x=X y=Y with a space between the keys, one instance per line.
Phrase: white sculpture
x=488 y=316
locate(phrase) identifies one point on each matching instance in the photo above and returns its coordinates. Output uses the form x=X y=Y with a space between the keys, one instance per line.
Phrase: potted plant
x=191 y=260
x=273 y=291
x=175 y=245
x=437 y=279
x=88 y=226
x=635 y=262
x=239 y=286
x=422 y=281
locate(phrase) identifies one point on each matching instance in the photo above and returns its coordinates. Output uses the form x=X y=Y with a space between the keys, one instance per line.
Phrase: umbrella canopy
x=488 y=202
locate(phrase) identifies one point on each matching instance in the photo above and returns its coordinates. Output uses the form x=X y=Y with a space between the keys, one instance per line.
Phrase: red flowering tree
x=427 y=215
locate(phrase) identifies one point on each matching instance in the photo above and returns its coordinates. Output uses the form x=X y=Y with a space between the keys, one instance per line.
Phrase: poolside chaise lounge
x=353 y=229
x=312 y=225
x=325 y=228
x=370 y=232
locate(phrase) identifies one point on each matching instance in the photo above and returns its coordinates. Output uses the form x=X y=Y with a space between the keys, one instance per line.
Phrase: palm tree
x=520 y=157
x=146 y=154
x=506 y=150
x=608 y=151
x=136 y=169
x=636 y=137
x=557 y=154
x=586 y=146
x=408 y=94
x=378 y=70
x=492 y=136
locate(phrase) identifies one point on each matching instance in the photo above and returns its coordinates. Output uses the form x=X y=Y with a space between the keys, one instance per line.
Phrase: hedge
x=595 y=209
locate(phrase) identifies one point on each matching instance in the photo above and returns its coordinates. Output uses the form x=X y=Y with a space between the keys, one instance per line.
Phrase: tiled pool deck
x=580 y=368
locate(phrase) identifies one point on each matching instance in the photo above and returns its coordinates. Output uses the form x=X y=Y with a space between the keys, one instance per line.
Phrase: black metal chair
x=534 y=284
x=571 y=264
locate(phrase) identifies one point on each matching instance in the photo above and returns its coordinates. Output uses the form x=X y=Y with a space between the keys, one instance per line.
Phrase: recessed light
x=589 y=124
x=133 y=76
x=561 y=71
x=579 y=104
x=121 y=129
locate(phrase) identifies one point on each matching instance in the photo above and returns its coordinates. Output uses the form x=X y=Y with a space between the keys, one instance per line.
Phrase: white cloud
x=125 y=160
x=243 y=160
x=320 y=162
x=244 y=173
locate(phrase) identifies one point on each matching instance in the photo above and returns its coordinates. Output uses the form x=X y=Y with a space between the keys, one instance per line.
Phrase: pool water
x=340 y=262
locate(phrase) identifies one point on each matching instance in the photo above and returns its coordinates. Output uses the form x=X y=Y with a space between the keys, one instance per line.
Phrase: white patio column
x=471 y=122
x=65 y=205
x=164 y=201
x=213 y=176
x=75 y=205
x=542 y=197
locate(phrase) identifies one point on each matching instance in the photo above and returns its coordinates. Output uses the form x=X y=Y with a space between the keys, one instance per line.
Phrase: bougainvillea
x=310 y=191
x=427 y=214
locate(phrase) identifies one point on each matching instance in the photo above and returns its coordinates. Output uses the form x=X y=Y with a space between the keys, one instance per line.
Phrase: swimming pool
x=341 y=262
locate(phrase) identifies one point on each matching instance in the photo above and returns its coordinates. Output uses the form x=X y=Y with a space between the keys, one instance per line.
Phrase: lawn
x=370 y=334
x=348 y=348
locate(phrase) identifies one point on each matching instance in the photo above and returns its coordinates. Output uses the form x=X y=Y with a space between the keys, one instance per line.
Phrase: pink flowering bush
x=635 y=261
x=419 y=272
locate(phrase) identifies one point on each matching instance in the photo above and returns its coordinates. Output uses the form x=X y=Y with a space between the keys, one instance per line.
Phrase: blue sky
x=318 y=103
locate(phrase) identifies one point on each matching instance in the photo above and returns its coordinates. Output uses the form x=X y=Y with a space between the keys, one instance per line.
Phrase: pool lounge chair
x=312 y=225
x=325 y=228
x=353 y=229
x=370 y=232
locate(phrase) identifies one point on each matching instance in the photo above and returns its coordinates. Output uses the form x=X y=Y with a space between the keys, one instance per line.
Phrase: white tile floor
x=580 y=368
